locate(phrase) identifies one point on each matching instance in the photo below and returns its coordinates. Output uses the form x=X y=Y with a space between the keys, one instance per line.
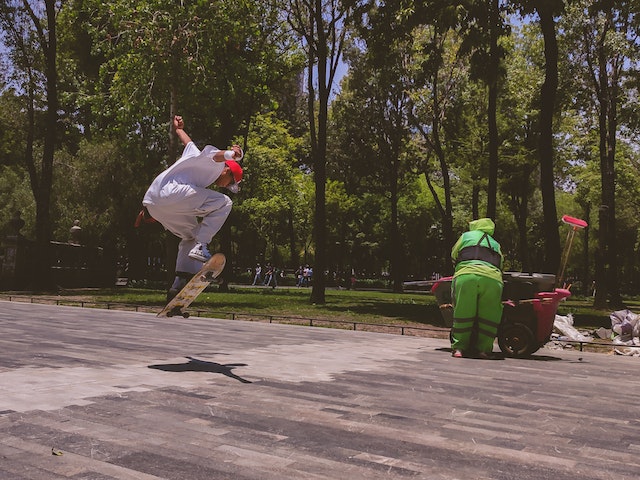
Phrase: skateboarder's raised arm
x=178 y=127
x=235 y=153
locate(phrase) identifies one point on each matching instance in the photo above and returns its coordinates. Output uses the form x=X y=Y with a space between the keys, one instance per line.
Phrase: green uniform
x=476 y=288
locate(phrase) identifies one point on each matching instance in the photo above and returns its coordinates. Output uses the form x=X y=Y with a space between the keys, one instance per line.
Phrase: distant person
x=179 y=199
x=476 y=291
x=299 y=276
x=268 y=275
x=306 y=275
x=258 y=274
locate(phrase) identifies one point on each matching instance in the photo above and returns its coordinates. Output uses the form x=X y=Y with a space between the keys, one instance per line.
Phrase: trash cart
x=530 y=304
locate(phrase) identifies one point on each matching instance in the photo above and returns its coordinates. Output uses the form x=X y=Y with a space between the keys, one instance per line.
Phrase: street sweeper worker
x=476 y=290
x=179 y=199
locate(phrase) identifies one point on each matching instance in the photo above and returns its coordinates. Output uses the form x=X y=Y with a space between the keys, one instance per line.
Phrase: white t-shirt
x=196 y=168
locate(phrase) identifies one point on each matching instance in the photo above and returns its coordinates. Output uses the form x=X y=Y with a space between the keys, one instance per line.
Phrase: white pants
x=178 y=208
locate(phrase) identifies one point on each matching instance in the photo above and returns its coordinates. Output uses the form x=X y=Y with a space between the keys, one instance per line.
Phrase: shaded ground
x=119 y=395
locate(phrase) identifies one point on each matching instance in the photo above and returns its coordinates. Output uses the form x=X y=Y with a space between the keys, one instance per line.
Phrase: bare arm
x=219 y=156
x=178 y=126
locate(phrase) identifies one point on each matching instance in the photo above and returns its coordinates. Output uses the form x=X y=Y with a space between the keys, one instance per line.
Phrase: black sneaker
x=171 y=294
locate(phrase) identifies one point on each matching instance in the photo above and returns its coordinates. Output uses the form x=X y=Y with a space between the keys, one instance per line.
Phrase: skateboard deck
x=194 y=287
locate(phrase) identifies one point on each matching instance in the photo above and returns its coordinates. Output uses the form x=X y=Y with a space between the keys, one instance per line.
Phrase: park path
x=103 y=394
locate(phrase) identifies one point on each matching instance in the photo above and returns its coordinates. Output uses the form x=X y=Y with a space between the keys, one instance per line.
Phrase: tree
x=485 y=26
x=322 y=25
x=439 y=77
x=215 y=63
x=272 y=193
x=98 y=188
x=519 y=165
x=379 y=86
x=547 y=10
x=605 y=42
x=32 y=43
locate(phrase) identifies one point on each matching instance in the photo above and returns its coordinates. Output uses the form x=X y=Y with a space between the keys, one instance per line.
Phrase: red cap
x=236 y=170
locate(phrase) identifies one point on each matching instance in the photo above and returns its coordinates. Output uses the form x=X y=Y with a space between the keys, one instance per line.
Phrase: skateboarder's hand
x=178 y=123
x=238 y=153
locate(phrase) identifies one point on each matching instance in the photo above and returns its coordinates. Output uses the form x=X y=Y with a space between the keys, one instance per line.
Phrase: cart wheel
x=517 y=340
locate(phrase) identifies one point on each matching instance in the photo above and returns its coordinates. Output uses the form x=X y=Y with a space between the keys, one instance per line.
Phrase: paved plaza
x=103 y=394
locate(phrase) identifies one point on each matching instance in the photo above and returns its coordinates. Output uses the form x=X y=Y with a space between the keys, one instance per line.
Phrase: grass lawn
x=284 y=304
x=291 y=303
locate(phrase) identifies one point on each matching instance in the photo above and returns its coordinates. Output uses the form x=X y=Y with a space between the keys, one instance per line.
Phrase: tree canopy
x=520 y=111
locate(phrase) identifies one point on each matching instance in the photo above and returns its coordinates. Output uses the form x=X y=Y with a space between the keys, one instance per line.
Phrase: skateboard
x=201 y=280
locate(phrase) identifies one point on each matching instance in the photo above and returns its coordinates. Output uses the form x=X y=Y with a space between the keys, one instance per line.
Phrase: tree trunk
x=319 y=151
x=610 y=199
x=173 y=111
x=171 y=241
x=475 y=200
x=320 y=220
x=606 y=263
x=546 y=151
x=397 y=271
x=293 y=252
x=494 y=59
x=43 y=278
x=521 y=208
x=449 y=240
x=447 y=209
x=585 y=273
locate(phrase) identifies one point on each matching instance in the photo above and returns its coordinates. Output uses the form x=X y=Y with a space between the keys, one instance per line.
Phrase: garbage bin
x=519 y=285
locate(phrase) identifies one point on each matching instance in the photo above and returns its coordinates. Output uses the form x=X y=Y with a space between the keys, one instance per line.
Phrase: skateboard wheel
x=185 y=314
x=169 y=314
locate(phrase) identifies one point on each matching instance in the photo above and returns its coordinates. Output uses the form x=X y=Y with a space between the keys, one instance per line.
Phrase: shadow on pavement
x=196 y=365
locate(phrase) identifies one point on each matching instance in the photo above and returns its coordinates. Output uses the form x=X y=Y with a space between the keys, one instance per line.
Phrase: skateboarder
x=179 y=197
x=476 y=290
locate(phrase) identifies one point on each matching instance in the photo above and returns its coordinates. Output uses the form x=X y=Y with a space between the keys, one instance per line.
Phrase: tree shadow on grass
x=196 y=365
x=418 y=313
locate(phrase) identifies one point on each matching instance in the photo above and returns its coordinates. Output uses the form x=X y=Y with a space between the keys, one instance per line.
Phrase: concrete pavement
x=104 y=394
